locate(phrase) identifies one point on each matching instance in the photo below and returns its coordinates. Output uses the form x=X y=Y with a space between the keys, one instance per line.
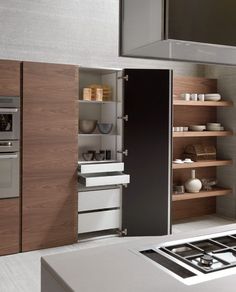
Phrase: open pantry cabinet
x=129 y=191
x=188 y=113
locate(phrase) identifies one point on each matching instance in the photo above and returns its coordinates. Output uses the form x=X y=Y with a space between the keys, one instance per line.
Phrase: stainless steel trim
x=8 y=110
x=10 y=101
x=8 y=156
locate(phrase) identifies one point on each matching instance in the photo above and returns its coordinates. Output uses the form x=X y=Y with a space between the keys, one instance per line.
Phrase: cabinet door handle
x=125 y=152
x=125 y=118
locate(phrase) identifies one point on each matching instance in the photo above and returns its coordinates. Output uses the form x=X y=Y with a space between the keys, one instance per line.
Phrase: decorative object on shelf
x=87 y=126
x=93 y=152
x=99 y=156
x=178 y=189
x=185 y=96
x=198 y=128
x=108 y=154
x=214 y=127
x=87 y=156
x=194 y=96
x=105 y=128
x=212 y=97
x=208 y=183
x=87 y=94
x=180 y=161
x=101 y=92
x=201 y=97
x=180 y=129
x=193 y=185
x=199 y=152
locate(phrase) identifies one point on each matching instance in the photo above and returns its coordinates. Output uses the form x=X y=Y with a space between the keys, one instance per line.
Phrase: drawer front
x=102 y=199
x=104 y=180
x=98 y=221
x=101 y=167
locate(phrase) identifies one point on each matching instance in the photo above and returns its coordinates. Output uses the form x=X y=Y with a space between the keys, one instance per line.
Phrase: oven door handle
x=8 y=110
x=8 y=156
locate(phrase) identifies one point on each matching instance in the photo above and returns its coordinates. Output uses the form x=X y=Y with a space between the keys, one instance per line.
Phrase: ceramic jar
x=193 y=185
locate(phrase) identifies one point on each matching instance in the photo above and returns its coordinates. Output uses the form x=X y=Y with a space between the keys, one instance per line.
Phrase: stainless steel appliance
x=9 y=169
x=197 y=30
x=9 y=147
x=196 y=260
x=9 y=118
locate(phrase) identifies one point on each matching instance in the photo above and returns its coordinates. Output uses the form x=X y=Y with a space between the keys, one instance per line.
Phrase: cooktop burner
x=196 y=257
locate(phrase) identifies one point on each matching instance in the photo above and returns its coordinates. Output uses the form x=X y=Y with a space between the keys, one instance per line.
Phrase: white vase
x=193 y=185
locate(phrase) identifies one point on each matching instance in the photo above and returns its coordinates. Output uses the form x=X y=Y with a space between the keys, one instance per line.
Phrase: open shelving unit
x=196 y=113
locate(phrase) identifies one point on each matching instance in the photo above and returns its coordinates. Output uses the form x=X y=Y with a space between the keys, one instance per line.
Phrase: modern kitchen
x=117 y=145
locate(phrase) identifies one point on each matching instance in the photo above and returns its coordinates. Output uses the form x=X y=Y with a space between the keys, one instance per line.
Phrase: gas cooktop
x=198 y=259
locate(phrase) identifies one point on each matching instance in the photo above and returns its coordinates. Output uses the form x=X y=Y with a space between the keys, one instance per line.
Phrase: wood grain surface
x=9 y=226
x=9 y=78
x=50 y=155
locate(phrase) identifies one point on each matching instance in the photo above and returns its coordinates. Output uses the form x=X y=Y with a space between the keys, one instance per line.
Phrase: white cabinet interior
x=100 y=182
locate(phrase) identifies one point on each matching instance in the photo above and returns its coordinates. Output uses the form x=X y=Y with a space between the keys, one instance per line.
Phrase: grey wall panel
x=81 y=32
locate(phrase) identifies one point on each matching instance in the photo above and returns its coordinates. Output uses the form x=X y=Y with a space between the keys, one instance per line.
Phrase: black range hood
x=189 y=30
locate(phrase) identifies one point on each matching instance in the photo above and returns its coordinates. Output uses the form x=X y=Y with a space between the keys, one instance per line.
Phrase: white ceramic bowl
x=213 y=124
x=213 y=97
x=198 y=128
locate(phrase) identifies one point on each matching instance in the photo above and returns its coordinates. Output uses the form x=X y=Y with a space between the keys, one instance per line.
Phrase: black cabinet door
x=148 y=139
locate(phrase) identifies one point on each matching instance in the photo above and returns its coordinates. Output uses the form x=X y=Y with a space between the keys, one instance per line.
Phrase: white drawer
x=101 y=167
x=104 y=179
x=97 y=221
x=102 y=199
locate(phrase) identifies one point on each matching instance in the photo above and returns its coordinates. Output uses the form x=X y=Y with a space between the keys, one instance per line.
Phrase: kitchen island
x=120 y=268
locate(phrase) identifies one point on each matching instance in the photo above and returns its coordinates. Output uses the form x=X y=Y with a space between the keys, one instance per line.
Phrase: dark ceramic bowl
x=87 y=156
x=105 y=128
x=99 y=156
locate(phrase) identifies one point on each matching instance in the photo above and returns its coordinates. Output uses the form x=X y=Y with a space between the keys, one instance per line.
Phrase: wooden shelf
x=207 y=163
x=202 y=194
x=202 y=134
x=221 y=103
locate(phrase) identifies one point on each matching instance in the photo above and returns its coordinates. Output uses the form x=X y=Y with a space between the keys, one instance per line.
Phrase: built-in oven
x=9 y=118
x=9 y=169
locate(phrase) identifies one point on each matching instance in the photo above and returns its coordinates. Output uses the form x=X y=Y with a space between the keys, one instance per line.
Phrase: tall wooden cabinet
x=9 y=208
x=50 y=150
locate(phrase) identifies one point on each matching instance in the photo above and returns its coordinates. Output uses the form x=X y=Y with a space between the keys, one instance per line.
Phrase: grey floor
x=21 y=272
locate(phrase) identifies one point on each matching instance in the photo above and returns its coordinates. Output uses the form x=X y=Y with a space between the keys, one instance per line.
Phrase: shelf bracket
x=126 y=77
x=125 y=118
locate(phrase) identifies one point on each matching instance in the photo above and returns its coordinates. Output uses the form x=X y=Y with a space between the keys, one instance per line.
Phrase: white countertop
x=114 y=268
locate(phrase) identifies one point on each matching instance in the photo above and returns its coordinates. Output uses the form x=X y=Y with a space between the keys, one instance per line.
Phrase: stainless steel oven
x=9 y=169
x=9 y=118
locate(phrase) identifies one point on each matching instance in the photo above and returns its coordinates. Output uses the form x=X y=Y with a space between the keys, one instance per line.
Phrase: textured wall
x=81 y=32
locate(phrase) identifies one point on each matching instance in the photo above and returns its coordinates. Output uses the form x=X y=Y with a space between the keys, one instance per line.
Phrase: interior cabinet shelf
x=202 y=194
x=202 y=134
x=95 y=135
x=222 y=103
x=207 y=163
x=97 y=102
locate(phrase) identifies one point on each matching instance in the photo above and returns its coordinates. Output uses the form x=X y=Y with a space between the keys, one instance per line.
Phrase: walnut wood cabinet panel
x=10 y=78
x=50 y=150
x=9 y=226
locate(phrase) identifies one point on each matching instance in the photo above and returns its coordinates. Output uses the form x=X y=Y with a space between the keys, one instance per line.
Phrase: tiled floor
x=21 y=272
